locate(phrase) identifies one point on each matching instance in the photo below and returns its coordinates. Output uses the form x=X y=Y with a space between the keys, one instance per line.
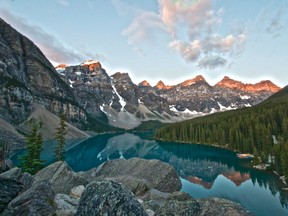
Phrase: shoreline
x=281 y=178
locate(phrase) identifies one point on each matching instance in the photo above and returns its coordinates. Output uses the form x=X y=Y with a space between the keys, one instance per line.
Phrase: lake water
x=205 y=171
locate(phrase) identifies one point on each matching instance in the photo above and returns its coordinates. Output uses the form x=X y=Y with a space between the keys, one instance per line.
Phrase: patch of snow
x=213 y=110
x=247 y=105
x=60 y=70
x=173 y=109
x=78 y=73
x=102 y=109
x=121 y=100
x=188 y=111
x=71 y=86
x=212 y=99
x=221 y=106
x=244 y=97
x=71 y=82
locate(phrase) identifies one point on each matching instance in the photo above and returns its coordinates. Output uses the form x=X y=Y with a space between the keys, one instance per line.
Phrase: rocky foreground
x=117 y=187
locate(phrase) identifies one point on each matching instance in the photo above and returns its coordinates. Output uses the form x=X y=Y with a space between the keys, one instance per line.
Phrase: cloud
x=200 y=21
x=189 y=51
x=215 y=44
x=197 y=15
x=274 y=25
x=143 y=26
x=212 y=62
x=52 y=48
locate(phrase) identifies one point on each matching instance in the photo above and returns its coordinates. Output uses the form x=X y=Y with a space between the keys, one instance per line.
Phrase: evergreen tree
x=60 y=133
x=32 y=162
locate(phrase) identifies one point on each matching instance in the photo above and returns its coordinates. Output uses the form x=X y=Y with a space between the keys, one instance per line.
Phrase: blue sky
x=172 y=40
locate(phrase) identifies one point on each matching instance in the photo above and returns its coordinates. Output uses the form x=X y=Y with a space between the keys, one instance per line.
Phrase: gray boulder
x=66 y=205
x=37 y=200
x=9 y=189
x=177 y=203
x=61 y=176
x=218 y=206
x=13 y=173
x=137 y=174
x=108 y=198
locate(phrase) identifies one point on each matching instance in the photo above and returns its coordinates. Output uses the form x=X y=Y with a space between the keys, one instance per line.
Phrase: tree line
x=261 y=130
x=32 y=162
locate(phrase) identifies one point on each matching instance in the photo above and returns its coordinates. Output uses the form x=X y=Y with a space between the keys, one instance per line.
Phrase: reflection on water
x=124 y=143
x=205 y=171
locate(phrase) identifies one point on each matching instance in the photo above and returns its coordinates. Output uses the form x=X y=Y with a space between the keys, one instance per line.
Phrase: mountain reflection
x=124 y=143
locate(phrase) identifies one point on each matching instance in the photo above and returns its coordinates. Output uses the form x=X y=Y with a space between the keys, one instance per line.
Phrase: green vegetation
x=261 y=130
x=60 y=133
x=31 y=162
x=151 y=125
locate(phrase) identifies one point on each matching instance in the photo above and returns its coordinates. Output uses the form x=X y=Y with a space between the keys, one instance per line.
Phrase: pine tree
x=60 y=133
x=32 y=162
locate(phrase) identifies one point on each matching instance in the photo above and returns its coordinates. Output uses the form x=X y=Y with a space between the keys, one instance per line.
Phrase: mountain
x=144 y=83
x=27 y=77
x=126 y=104
x=160 y=85
x=265 y=85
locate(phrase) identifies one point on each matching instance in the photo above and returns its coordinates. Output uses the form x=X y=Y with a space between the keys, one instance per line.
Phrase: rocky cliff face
x=28 y=78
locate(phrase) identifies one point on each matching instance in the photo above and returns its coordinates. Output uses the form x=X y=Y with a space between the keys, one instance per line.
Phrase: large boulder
x=177 y=203
x=66 y=205
x=61 y=176
x=37 y=200
x=108 y=198
x=137 y=174
x=218 y=206
x=9 y=189
x=15 y=173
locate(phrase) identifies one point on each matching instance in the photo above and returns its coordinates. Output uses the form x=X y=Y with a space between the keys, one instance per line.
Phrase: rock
x=108 y=198
x=77 y=191
x=27 y=180
x=9 y=189
x=177 y=203
x=13 y=173
x=66 y=205
x=61 y=176
x=37 y=200
x=223 y=207
x=138 y=175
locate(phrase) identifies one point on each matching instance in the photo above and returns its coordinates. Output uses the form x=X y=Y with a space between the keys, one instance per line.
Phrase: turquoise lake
x=205 y=171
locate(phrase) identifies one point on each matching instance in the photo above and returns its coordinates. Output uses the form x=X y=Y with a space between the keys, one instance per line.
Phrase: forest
x=261 y=130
